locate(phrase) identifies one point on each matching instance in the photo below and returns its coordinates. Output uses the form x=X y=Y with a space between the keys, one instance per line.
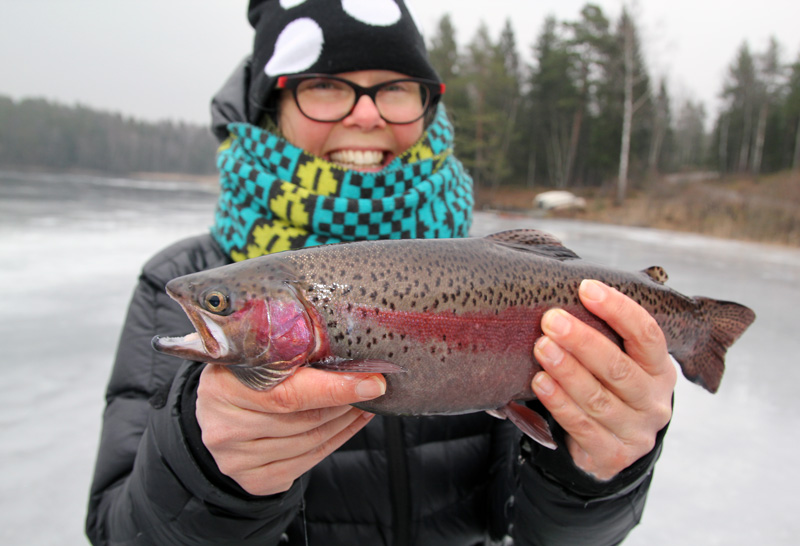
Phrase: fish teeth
x=360 y=158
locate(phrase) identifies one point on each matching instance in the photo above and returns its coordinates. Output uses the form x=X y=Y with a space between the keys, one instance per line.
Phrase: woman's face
x=361 y=141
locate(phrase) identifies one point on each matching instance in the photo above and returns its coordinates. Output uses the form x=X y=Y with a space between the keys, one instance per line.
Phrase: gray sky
x=164 y=59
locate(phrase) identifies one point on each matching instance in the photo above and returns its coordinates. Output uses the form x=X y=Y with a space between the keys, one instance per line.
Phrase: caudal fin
x=724 y=322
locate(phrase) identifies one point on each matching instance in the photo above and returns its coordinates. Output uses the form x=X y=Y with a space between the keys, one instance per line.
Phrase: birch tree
x=766 y=90
x=630 y=103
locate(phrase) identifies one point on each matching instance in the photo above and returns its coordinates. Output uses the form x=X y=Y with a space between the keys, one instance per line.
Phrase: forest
x=35 y=133
x=585 y=113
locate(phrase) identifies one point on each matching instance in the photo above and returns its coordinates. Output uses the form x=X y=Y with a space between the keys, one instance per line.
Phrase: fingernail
x=544 y=383
x=557 y=322
x=593 y=290
x=550 y=350
x=370 y=388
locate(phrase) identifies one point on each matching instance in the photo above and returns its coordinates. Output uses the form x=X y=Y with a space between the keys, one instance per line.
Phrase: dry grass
x=764 y=210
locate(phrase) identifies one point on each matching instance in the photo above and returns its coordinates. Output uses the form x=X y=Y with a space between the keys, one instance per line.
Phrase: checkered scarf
x=275 y=196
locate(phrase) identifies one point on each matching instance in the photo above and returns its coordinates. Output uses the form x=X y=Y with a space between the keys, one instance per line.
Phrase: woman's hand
x=611 y=403
x=266 y=440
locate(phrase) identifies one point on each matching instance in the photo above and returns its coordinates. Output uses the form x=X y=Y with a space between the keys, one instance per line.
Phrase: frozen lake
x=70 y=251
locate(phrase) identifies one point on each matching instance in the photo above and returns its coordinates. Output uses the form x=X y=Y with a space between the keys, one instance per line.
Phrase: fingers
x=265 y=440
x=263 y=474
x=643 y=338
x=611 y=402
x=576 y=398
x=305 y=389
x=588 y=364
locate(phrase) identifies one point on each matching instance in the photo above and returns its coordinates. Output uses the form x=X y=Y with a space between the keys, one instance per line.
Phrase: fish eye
x=215 y=301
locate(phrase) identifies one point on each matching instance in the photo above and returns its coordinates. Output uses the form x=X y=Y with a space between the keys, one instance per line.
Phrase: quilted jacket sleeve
x=147 y=487
x=557 y=503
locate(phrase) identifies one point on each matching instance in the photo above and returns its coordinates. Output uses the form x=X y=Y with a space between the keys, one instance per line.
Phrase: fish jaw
x=208 y=344
x=273 y=332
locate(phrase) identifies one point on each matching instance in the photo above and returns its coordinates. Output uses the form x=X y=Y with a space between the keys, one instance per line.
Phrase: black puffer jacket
x=435 y=480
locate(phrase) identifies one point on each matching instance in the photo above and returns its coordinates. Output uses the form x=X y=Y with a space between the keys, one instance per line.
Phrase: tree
x=661 y=122
x=792 y=112
x=766 y=90
x=633 y=75
x=551 y=97
x=690 y=136
x=590 y=44
x=739 y=92
x=447 y=60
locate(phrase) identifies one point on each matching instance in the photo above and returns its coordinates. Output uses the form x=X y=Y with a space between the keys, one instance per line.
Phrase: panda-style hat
x=328 y=37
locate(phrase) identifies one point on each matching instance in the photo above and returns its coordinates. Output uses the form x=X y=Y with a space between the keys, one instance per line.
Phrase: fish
x=450 y=322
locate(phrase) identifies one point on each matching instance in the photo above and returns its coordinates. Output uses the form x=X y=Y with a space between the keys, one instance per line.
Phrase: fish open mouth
x=208 y=344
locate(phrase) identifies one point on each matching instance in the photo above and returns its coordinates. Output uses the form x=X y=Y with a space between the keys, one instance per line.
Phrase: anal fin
x=529 y=422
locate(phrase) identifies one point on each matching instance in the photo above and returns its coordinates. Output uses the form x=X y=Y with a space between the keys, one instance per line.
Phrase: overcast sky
x=164 y=59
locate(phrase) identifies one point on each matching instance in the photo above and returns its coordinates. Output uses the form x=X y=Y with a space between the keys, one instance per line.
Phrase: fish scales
x=460 y=317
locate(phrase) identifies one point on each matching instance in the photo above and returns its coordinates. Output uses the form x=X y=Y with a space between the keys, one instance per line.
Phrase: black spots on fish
x=390 y=354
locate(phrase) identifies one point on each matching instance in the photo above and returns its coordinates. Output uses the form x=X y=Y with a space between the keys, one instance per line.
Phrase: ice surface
x=71 y=249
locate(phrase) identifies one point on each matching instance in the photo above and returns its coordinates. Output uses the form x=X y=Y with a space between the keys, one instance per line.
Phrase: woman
x=321 y=145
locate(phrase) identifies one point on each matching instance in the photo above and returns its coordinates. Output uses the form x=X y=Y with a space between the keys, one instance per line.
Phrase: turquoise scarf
x=276 y=196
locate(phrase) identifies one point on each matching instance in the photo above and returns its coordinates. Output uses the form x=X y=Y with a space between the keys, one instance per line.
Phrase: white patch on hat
x=289 y=4
x=381 y=13
x=297 y=48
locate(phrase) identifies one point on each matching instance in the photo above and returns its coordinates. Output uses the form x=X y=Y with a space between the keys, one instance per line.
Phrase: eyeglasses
x=325 y=98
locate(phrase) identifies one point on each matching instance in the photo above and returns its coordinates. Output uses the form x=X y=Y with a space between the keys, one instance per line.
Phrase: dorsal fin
x=656 y=273
x=533 y=240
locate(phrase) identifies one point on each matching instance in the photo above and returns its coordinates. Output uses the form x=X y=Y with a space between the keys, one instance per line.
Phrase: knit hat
x=328 y=37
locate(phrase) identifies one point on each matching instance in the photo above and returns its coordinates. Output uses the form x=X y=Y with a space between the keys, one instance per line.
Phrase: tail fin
x=725 y=322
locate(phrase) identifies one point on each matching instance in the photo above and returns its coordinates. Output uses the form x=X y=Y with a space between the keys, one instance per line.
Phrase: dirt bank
x=764 y=210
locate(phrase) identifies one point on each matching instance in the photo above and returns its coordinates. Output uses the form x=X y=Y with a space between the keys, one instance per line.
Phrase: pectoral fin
x=260 y=378
x=528 y=421
x=357 y=366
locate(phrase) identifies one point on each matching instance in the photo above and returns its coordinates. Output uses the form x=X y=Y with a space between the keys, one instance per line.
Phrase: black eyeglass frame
x=291 y=83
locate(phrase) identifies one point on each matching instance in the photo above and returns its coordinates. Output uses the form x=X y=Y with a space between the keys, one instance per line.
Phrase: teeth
x=357 y=157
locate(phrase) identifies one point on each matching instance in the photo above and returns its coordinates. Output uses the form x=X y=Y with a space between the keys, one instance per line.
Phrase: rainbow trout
x=452 y=322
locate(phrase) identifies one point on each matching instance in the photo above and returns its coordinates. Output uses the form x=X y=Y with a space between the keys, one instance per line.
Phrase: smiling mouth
x=359 y=159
